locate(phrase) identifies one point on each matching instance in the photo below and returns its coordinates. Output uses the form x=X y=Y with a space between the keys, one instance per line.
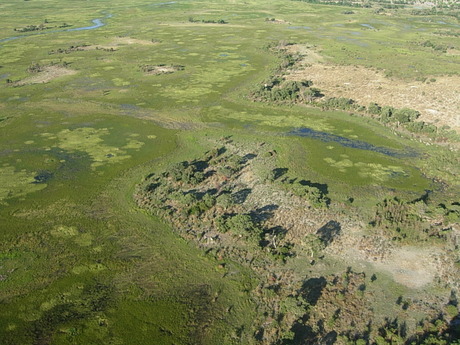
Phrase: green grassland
x=79 y=261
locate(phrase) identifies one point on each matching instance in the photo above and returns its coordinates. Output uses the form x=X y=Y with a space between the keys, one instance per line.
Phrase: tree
x=314 y=244
x=373 y=108
x=311 y=93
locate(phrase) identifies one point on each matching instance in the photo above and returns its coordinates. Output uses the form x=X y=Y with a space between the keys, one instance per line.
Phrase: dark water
x=356 y=144
x=97 y=24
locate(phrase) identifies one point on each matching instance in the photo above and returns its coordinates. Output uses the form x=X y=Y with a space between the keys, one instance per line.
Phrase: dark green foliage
x=282 y=252
x=390 y=114
x=386 y=113
x=312 y=193
x=415 y=220
x=73 y=48
x=405 y=115
x=311 y=93
x=434 y=46
x=339 y=103
x=230 y=165
x=240 y=225
x=209 y=200
x=314 y=245
x=177 y=171
x=207 y=21
x=451 y=212
x=278 y=91
x=276 y=173
x=187 y=173
x=421 y=127
x=225 y=200
x=374 y=109
x=36 y=67
x=197 y=209
x=398 y=217
x=214 y=153
x=29 y=28
x=221 y=223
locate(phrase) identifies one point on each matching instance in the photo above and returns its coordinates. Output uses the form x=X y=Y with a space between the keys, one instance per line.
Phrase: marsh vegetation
x=202 y=173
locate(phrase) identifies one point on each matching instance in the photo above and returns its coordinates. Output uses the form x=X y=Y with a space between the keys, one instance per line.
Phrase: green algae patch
x=374 y=171
x=133 y=144
x=90 y=141
x=17 y=183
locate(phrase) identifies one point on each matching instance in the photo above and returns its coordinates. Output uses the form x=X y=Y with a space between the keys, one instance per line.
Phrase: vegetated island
x=237 y=205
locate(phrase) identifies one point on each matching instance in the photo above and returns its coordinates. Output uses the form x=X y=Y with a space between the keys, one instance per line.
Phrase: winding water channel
x=97 y=24
x=300 y=132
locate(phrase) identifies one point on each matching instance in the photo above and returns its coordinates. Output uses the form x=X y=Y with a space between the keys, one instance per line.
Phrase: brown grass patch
x=49 y=73
x=309 y=54
x=205 y=24
x=276 y=21
x=453 y=52
x=437 y=99
x=129 y=40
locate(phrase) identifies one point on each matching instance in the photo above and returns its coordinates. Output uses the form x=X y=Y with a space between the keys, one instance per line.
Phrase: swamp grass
x=79 y=262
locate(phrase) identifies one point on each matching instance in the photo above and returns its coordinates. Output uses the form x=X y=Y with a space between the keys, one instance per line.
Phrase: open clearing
x=48 y=74
x=437 y=99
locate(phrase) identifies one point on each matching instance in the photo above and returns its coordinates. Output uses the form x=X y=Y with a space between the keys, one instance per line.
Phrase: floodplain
x=328 y=221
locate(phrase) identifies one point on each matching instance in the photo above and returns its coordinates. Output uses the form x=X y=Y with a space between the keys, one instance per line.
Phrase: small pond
x=352 y=143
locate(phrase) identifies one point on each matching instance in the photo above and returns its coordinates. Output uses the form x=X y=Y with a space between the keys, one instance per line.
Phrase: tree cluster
x=415 y=220
x=207 y=21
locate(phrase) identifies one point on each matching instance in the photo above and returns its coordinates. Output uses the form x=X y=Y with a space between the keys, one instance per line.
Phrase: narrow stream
x=97 y=24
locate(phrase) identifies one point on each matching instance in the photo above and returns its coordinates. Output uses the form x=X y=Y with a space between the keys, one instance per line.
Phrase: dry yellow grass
x=438 y=100
x=49 y=73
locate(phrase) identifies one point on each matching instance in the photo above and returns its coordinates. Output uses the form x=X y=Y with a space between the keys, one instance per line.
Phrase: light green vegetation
x=79 y=262
x=17 y=183
x=89 y=140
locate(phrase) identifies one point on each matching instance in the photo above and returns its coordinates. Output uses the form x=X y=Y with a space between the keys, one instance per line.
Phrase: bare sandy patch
x=437 y=99
x=310 y=55
x=453 y=52
x=161 y=69
x=410 y=266
x=130 y=40
x=49 y=73
x=205 y=24
x=276 y=21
